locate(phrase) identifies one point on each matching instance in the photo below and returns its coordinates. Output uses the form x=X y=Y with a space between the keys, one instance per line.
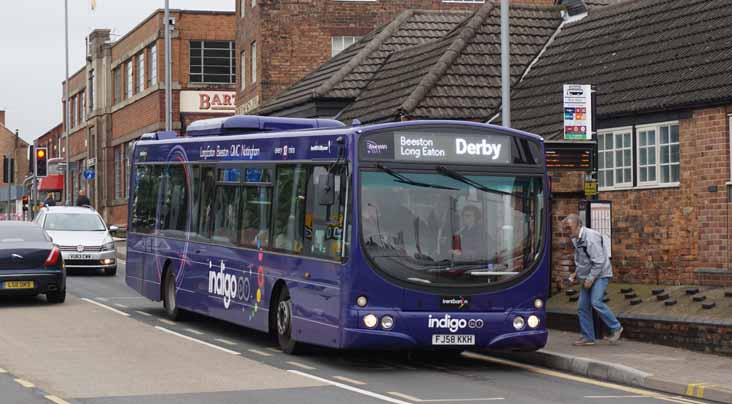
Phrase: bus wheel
x=169 y=303
x=284 y=323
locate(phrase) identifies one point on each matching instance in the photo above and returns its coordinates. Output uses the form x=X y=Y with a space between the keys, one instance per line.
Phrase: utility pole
x=67 y=115
x=505 y=65
x=168 y=89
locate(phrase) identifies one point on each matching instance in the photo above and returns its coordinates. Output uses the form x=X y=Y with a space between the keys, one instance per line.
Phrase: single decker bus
x=409 y=235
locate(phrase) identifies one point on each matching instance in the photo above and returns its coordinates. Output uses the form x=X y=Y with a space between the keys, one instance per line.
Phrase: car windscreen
x=19 y=234
x=73 y=222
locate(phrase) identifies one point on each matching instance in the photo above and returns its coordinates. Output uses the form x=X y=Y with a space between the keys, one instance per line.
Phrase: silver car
x=82 y=236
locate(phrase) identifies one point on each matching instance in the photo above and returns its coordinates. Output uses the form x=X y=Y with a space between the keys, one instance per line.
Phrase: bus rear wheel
x=283 y=319
x=169 y=302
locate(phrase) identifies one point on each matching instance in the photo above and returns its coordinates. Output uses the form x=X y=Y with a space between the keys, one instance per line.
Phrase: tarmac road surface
x=108 y=345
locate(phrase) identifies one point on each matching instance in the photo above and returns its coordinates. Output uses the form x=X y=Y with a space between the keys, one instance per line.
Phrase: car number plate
x=453 y=339
x=19 y=285
x=80 y=256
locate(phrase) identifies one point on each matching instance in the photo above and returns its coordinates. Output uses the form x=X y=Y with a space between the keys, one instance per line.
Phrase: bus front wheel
x=284 y=323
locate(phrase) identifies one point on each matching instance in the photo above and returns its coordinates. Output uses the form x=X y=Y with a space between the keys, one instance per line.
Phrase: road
x=106 y=345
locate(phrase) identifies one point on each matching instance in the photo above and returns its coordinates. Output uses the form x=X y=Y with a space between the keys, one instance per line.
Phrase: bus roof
x=244 y=124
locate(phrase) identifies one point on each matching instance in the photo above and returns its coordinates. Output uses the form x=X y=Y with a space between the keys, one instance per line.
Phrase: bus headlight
x=538 y=304
x=387 y=322
x=519 y=323
x=370 y=320
x=362 y=301
x=533 y=321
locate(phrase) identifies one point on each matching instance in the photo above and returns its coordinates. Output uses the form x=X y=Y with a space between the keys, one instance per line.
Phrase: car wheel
x=169 y=302
x=284 y=324
x=56 y=297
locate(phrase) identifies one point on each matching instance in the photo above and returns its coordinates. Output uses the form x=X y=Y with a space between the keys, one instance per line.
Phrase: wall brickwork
x=294 y=37
x=11 y=145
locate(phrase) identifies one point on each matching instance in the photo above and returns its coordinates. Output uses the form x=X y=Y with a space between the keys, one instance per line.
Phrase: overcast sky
x=32 y=65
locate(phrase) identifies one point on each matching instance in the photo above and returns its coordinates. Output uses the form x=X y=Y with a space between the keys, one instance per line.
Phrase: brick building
x=664 y=112
x=279 y=42
x=120 y=94
x=11 y=146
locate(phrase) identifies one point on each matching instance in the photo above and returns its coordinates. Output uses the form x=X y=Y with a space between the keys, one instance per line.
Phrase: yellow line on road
x=25 y=383
x=57 y=400
x=560 y=375
x=347 y=380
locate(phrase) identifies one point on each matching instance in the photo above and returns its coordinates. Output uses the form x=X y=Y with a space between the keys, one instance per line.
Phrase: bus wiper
x=459 y=177
x=406 y=180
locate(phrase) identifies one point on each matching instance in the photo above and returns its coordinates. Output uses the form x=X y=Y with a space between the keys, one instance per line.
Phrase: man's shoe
x=615 y=336
x=583 y=342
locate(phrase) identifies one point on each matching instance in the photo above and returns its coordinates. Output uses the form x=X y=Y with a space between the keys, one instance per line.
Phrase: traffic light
x=41 y=161
x=25 y=203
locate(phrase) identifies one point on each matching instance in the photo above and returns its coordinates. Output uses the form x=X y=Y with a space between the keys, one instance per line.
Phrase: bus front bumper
x=411 y=332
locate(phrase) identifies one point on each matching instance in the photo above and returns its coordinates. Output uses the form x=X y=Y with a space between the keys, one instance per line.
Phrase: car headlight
x=109 y=246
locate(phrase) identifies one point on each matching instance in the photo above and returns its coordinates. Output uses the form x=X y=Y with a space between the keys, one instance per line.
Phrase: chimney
x=2 y=117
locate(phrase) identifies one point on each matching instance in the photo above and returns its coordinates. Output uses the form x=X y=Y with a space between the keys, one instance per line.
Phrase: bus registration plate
x=459 y=339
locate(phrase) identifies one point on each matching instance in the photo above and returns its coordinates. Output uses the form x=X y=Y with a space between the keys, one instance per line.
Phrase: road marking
x=347 y=380
x=3 y=370
x=560 y=375
x=274 y=350
x=102 y=299
x=627 y=396
x=301 y=365
x=105 y=306
x=122 y=306
x=259 y=352
x=57 y=400
x=168 y=322
x=220 y=348
x=350 y=388
x=699 y=389
x=25 y=383
x=226 y=341
x=146 y=314
x=192 y=331
x=446 y=400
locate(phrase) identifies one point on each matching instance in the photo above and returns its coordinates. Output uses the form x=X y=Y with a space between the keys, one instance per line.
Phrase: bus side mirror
x=325 y=189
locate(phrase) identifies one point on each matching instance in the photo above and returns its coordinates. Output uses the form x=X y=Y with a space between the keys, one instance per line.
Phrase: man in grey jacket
x=593 y=269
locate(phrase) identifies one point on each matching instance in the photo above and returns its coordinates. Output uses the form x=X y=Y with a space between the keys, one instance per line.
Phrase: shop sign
x=207 y=101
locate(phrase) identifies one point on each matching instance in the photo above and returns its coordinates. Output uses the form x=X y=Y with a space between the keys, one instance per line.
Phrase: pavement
x=655 y=367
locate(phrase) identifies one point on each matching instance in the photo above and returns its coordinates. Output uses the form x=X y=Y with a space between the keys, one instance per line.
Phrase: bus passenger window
x=226 y=214
x=145 y=198
x=206 y=206
x=256 y=207
x=174 y=206
x=289 y=217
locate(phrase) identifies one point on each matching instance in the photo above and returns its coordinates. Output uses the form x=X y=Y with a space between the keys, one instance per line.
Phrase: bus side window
x=256 y=208
x=144 y=200
x=324 y=223
x=289 y=215
x=206 y=189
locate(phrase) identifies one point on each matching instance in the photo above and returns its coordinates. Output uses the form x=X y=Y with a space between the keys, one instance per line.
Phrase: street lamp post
x=168 y=89
x=67 y=116
x=505 y=65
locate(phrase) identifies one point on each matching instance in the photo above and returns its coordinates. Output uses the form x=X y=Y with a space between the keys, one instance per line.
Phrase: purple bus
x=408 y=235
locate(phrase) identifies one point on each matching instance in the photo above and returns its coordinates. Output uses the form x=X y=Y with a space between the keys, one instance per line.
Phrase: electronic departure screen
x=576 y=157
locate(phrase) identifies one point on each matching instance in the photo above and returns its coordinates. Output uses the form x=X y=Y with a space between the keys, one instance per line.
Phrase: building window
x=243 y=69
x=72 y=112
x=117 y=84
x=153 y=65
x=254 y=62
x=130 y=82
x=659 y=160
x=91 y=90
x=82 y=108
x=615 y=162
x=254 y=3
x=118 y=177
x=212 y=62
x=339 y=43
x=141 y=71
x=243 y=7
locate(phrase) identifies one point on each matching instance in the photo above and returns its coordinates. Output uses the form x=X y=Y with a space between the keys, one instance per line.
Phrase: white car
x=82 y=236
